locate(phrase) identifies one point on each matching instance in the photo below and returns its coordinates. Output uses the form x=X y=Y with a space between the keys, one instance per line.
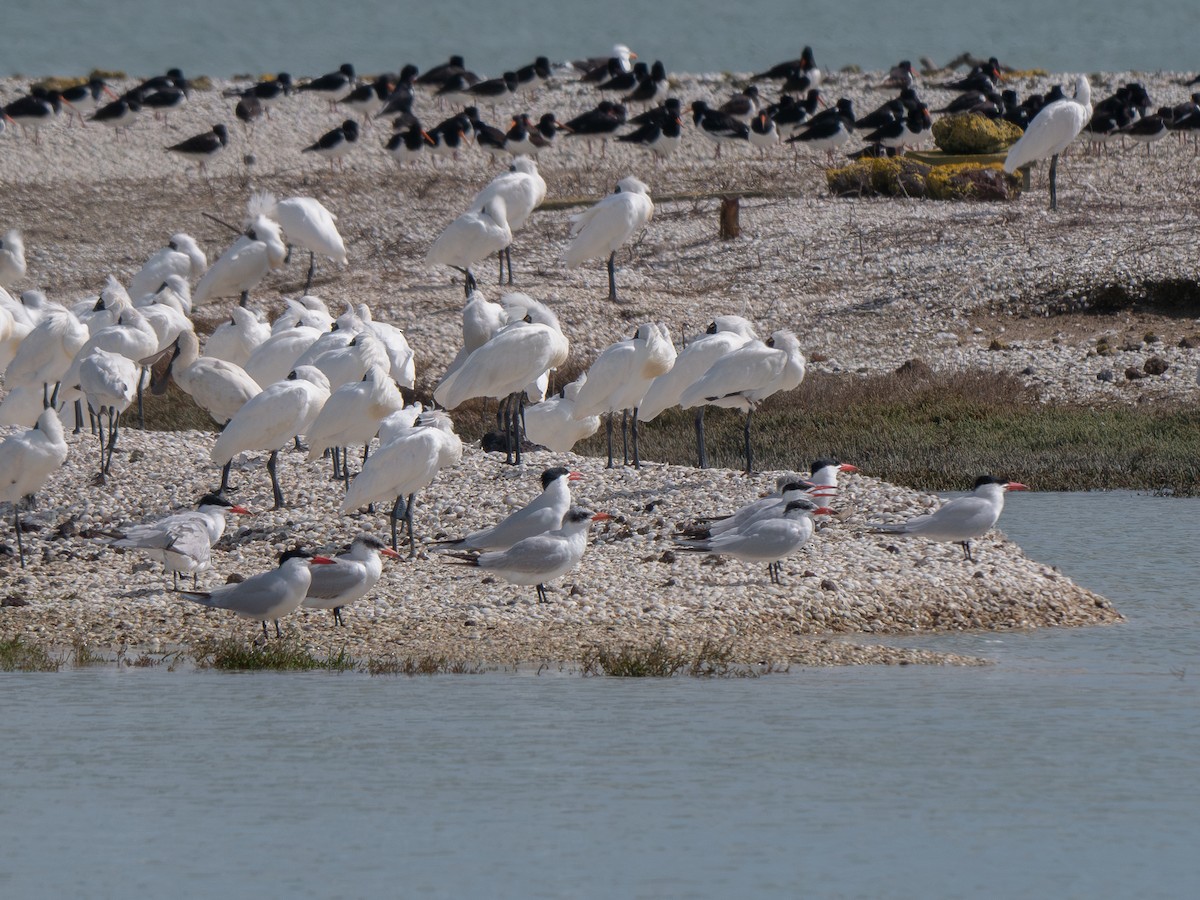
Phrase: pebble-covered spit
x=632 y=588
x=867 y=284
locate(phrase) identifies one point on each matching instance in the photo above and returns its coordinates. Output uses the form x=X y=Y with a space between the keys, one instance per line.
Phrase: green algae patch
x=900 y=176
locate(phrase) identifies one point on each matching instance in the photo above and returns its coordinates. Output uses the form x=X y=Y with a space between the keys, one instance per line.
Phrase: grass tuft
x=18 y=655
x=421 y=665
x=236 y=655
x=658 y=661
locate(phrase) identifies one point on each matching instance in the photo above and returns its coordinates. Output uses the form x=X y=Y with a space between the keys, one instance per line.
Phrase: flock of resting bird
x=338 y=381
x=748 y=117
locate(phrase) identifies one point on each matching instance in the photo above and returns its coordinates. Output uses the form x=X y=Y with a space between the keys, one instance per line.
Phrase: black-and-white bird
x=717 y=126
x=334 y=144
x=333 y=86
x=660 y=139
x=407 y=146
x=786 y=69
x=204 y=146
x=599 y=124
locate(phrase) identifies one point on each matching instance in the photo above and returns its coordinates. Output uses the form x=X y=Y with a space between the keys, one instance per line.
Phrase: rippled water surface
x=1071 y=768
x=221 y=37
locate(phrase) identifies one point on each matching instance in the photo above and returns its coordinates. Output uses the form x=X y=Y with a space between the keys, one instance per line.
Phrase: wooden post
x=730 y=226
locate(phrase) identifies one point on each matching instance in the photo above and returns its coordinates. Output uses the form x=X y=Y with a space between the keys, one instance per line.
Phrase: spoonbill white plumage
x=744 y=377
x=544 y=513
x=475 y=235
x=603 y=228
x=961 y=519
x=352 y=415
x=278 y=355
x=12 y=258
x=46 y=353
x=244 y=264
x=182 y=256
x=403 y=466
x=724 y=335
x=351 y=576
x=268 y=595
x=523 y=190
x=267 y=421
x=234 y=341
x=183 y=541
x=345 y=364
x=402 y=364
x=27 y=460
x=109 y=382
x=620 y=377
x=552 y=423
x=542 y=557
x=517 y=355
x=306 y=223
x=217 y=386
x=767 y=540
x=1052 y=129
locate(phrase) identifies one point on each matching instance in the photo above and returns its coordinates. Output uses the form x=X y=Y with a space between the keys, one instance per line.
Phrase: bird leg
x=141 y=409
x=266 y=635
x=243 y=302
x=225 y=478
x=637 y=460
x=100 y=422
x=17 y=529
x=312 y=268
x=272 y=461
x=78 y=417
x=624 y=437
x=500 y=257
x=332 y=452
x=612 y=278
x=701 y=450
x=337 y=616
x=408 y=517
x=1053 y=178
x=541 y=594
x=608 y=431
x=114 y=430
x=749 y=452
x=508 y=259
x=398 y=513
x=278 y=633
x=966 y=545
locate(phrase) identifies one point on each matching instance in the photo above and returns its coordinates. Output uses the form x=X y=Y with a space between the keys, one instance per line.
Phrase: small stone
x=1106 y=375
x=1155 y=365
x=11 y=602
x=1029 y=370
x=1133 y=374
x=668 y=556
x=828 y=585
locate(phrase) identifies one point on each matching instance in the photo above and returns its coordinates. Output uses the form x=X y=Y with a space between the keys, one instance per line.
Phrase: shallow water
x=1068 y=769
x=223 y=37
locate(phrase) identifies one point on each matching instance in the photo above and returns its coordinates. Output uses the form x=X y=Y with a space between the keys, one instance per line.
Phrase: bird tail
x=882 y=528
x=694 y=546
x=204 y=598
x=462 y=559
x=445 y=546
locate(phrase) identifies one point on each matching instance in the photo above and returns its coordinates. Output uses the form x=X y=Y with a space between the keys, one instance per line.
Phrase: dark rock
x=1133 y=374
x=668 y=556
x=1155 y=365
x=915 y=368
x=235 y=578
x=1029 y=370
x=13 y=602
x=1106 y=375
x=828 y=585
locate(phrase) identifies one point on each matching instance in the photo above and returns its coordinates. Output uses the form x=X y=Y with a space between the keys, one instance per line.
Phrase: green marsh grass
x=236 y=655
x=19 y=655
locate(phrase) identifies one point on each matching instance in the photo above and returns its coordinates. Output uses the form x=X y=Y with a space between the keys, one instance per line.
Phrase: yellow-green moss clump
x=902 y=177
x=973 y=133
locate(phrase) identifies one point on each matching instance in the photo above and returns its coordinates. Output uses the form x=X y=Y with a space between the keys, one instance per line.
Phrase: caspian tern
x=351 y=576
x=268 y=595
x=961 y=519
x=767 y=540
x=538 y=559
x=182 y=542
x=545 y=513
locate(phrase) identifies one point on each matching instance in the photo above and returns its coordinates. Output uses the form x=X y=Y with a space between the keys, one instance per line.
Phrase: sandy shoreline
x=868 y=284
